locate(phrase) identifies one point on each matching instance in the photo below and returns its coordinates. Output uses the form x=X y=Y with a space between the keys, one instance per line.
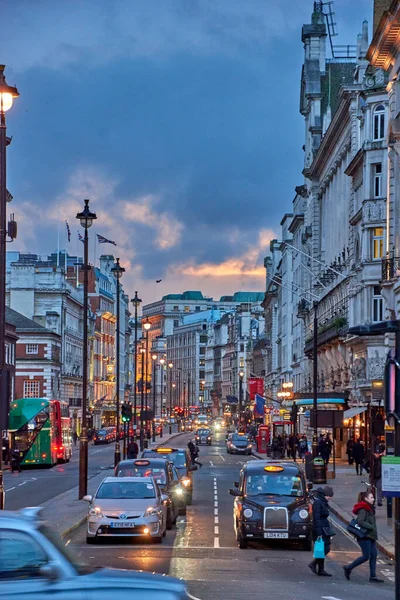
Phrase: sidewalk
x=65 y=512
x=346 y=486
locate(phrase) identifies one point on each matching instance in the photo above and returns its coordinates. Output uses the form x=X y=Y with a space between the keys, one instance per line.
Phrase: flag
x=259 y=405
x=68 y=231
x=158 y=280
x=103 y=240
x=80 y=238
x=231 y=399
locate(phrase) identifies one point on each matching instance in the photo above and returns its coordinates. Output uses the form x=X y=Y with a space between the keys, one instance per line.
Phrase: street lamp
x=170 y=365
x=147 y=327
x=241 y=375
x=154 y=358
x=7 y=94
x=162 y=362
x=86 y=218
x=117 y=271
x=136 y=301
x=141 y=434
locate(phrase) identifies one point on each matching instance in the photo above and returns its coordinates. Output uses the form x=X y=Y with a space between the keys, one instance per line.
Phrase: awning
x=310 y=401
x=352 y=412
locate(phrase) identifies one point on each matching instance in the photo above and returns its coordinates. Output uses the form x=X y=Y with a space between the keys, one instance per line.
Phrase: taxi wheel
x=307 y=545
x=91 y=540
x=169 y=520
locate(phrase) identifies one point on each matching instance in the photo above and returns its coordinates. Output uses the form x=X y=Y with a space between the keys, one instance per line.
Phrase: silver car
x=34 y=563
x=127 y=506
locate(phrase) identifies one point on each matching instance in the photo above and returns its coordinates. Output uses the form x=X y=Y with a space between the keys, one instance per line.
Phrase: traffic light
x=126 y=413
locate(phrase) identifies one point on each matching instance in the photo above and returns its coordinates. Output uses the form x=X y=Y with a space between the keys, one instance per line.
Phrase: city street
x=203 y=551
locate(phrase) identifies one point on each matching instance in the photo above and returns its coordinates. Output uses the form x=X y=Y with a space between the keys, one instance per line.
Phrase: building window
x=31 y=389
x=176 y=323
x=377 y=180
x=186 y=309
x=379 y=123
x=377 y=242
x=32 y=349
x=176 y=308
x=197 y=308
x=377 y=305
x=203 y=339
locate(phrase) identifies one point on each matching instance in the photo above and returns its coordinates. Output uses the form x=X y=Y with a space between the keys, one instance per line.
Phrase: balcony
x=390 y=268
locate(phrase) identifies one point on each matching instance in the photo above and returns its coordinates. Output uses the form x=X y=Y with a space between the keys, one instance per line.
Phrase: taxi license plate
x=124 y=524
x=276 y=535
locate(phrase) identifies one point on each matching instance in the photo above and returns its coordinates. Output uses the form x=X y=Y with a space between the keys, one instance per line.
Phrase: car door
x=22 y=559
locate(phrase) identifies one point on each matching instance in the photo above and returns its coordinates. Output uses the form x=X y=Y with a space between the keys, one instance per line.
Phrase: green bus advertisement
x=40 y=428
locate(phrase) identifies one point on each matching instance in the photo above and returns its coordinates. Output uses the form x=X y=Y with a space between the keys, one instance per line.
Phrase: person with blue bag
x=364 y=529
x=322 y=530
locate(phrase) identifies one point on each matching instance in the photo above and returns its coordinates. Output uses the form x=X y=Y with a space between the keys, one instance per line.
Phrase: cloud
x=168 y=228
x=228 y=268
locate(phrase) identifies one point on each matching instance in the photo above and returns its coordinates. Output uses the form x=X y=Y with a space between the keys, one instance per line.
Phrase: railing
x=390 y=268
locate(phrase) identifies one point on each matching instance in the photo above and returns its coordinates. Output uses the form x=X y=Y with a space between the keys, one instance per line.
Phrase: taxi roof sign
x=164 y=450
x=241 y=433
x=273 y=469
x=142 y=463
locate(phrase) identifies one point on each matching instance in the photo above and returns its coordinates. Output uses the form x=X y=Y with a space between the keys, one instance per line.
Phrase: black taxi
x=180 y=458
x=272 y=503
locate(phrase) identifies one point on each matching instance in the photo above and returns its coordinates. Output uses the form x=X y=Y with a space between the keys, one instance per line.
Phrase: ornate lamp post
x=141 y=434
x=241 y=375
x=162 y=363
x=147 y=327
x=170 y=365
x=7 y=95
x=86 y=218
x=118 y=271
x=136 y=301
x=154 y=358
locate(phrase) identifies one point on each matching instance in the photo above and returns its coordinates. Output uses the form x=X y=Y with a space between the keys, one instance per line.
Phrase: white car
x=35 y=564
x=129 y=507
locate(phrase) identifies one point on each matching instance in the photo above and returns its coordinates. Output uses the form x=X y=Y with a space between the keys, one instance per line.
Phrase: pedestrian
x=132 y=449
x=365 y=513
x=15 y=459
x=75 y=437
x=194 y=453
x=5 y=449
x=349 y=450
x=329 y=448
x=376 y=476
x=321 y=527
x=359 y=456
x=148 y=434
x=323 y=447
x=303 y=447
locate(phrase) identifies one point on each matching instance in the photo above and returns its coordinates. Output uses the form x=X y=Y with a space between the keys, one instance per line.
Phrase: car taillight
x=44 y=454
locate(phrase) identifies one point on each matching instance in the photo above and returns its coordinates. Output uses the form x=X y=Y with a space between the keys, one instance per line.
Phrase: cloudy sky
x=177 y=118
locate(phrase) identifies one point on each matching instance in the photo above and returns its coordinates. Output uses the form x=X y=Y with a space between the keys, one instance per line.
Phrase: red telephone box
x=263 y=438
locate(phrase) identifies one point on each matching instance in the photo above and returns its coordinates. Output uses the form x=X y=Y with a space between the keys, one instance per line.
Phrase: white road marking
x=330 y=598
x=9 y=489
x=215 y=503
x=216 y=520
x=23 y=483
x=192 y=597
x=211 y=463
x=220 y=455
x=216 y=542
x=216 y=530
x=215 y=511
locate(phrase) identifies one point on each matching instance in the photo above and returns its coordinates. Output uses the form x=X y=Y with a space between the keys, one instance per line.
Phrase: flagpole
x=58 y=237
x=66 y=239
x=77 y=256
x=95 y=249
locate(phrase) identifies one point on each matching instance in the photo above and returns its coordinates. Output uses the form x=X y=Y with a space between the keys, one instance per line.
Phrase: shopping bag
x=319 y=548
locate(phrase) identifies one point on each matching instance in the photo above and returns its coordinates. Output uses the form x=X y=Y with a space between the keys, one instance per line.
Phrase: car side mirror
x=193 y=468
x=234 y=492
x=87 y=498
x=49 y=571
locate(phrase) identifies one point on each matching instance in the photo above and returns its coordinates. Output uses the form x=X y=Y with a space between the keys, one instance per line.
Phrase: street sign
x=391 y=476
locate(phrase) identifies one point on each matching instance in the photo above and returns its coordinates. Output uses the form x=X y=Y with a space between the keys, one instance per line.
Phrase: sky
x=178 y=119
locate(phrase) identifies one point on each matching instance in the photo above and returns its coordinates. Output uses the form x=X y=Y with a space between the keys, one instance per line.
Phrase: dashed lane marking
x=9 y=489
x=216 y=530
x=211 y=463
x=216 y=520
x=220 y=455
x=216 y=542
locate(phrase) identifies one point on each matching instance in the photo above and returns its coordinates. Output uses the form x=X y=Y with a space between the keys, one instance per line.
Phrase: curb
x=82 y=520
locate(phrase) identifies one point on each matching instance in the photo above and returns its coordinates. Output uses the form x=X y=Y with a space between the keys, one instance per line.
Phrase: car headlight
x=150 y=512
x=95 y=512
x=303 y=514
x=208 y=438
x=185 y=482
x=248 y=513
x=178 y=491
x=233 y=446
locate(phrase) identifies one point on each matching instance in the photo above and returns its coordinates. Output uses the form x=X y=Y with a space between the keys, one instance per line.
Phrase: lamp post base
x=2 y=492
x=141 y=440
x=170 y=429
x=315 y=445
x=83 y=464
x=117 y=454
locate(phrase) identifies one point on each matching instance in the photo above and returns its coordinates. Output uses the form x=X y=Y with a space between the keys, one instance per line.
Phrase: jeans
x=378 y=485
x=359 y=466
x=369 y=552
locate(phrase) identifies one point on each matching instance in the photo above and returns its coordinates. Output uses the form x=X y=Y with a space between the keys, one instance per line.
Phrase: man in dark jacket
x=321 y=527
x=359 y=456
x=133 y=449
x=349 y=450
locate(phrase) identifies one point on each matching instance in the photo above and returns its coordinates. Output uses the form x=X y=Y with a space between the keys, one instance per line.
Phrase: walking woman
x=321 y=528
x=365 y=513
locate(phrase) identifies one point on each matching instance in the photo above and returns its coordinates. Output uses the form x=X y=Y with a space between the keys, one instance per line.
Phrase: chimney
x=380 y=6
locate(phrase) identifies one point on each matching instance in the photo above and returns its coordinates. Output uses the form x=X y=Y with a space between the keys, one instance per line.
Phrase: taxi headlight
x=303 y=514
x=95 y=512
x=178 y=491
x=150 y=512
x=185 y=482
x=248 y=513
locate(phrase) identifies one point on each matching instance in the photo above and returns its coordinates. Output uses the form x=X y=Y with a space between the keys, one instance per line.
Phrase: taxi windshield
x=239 y=438
x=142 y=471
x=126 y=491
x=177 y=458
x=279 y=484
x=203 y=431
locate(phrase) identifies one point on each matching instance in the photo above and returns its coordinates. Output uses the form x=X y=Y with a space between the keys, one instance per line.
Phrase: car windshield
x=240 y=438
x=177 y=458
x=102 y=432
x=142 y=471
x=126 y=490
x=280 y=484
x=203 y=432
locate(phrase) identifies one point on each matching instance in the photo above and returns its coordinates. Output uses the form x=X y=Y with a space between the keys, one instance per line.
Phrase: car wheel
x=91 y=540
x=169 y=520
x=307 y=545
x=242 y=541
x=164 y=533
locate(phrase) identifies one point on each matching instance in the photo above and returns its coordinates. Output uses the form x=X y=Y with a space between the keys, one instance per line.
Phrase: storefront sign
x=391 y=476
x=256 y=386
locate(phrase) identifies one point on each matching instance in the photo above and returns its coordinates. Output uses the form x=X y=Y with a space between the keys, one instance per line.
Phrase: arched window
x=379 y=123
